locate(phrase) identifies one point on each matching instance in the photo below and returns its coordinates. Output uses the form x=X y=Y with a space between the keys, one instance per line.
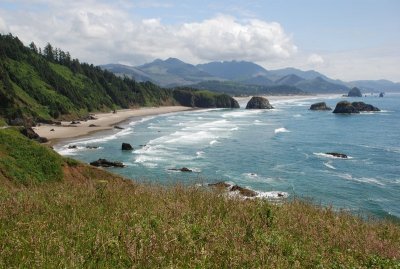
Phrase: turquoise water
x=268 y=151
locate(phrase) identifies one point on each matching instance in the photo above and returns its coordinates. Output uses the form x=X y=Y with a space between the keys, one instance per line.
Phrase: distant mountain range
x=242 y=78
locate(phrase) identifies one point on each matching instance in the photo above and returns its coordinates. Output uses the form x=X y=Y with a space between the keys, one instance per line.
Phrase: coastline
x=103 y=121
x=107 y=121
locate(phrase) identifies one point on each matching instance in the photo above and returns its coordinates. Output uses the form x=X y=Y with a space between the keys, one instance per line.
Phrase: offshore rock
x=106 y=163
x=361 y=106
x=126 y=146
x=320 y=106
x=338 y=155
x=355 y=92
x=345 y=107
x=258 y=102
x=355 y=107
x=183 y=169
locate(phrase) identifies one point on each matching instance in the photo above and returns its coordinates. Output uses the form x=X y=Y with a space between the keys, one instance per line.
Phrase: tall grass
x=94 y=221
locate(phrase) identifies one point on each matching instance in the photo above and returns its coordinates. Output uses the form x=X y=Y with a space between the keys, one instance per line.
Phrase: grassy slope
x=93 y=219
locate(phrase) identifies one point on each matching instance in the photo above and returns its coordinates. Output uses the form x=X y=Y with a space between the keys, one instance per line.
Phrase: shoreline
x=103 y=122
x=107 y=121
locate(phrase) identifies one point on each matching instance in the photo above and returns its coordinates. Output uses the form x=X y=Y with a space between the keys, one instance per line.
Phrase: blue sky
x=347 y=40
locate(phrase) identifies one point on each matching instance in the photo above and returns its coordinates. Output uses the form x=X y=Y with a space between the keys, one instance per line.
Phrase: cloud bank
x=103 y=33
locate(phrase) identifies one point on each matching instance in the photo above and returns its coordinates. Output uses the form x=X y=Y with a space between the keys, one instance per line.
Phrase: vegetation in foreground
x=90 y=218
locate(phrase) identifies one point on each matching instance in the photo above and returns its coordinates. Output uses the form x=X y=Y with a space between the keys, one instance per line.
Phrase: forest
x=44 y=84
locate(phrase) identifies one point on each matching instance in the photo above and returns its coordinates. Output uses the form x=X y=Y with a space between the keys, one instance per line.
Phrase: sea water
x=270 y=151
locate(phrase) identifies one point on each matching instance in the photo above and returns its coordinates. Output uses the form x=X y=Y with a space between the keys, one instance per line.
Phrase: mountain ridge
x=174 y=72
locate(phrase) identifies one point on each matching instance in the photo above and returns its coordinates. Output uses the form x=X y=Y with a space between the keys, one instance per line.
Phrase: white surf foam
x=213 y=142
x=329 y=165
x=361 y=179
x=281 y=130
x=324 y=155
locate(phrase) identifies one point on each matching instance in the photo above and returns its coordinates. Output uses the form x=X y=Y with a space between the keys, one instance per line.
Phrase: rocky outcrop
x=355 y=92
x=338 y=155
x=381 y=94
x=118 y=127
x=126 y=146
x=355 y=107
x=243 y=191
x=220 y=185
x=106 y=163
x=183 y=169
x=235 y=188
x=345 y=107
x=320 y=106
x=363 y=107
x=258 y=102
x=30 y=133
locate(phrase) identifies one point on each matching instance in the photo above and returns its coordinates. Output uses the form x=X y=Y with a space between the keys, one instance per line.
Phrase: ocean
x=269 y=151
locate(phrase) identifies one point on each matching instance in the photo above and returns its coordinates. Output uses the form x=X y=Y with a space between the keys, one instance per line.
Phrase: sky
x=343 y=39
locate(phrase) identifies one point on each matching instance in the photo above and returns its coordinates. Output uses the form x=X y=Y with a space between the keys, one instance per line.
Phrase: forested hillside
x=48 y=84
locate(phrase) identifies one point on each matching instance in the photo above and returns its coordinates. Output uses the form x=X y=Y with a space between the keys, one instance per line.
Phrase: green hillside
x=48 y=84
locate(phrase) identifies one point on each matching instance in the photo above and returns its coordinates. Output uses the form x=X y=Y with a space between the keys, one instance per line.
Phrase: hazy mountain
x=129 y=71
x=258 y=80
x=236 y=74
x=235 y=88
x=308 y=75
x=289 y=80
x=233 y=70
x=174 y=72
x=376 y=85
x=320 y=85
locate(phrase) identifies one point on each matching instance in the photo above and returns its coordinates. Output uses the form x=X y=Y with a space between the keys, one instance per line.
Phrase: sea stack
x=257 y=102
x=355 y=107
x=355 y=92
x=320 y=106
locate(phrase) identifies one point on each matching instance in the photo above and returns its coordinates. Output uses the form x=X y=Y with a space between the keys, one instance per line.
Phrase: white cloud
x=315 y=59
x=102 y=33
x=3 y=26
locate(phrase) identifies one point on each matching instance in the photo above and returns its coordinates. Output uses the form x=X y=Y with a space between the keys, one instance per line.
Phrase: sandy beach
x=103 y=121
x=107 y=121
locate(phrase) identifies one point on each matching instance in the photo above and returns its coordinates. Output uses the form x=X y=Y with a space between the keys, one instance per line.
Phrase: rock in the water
x=126 y=146
x=244 y=191
x=355 y=107
x=257 y=102
x=345 y=107
x=72 y=147
x=381 y=94
x=183 y=169
x=361 y=106
x=320 y=106
x=92 y=147
x=355 y=92
x=220 y=185
x=106 y=163
x=338 y=155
